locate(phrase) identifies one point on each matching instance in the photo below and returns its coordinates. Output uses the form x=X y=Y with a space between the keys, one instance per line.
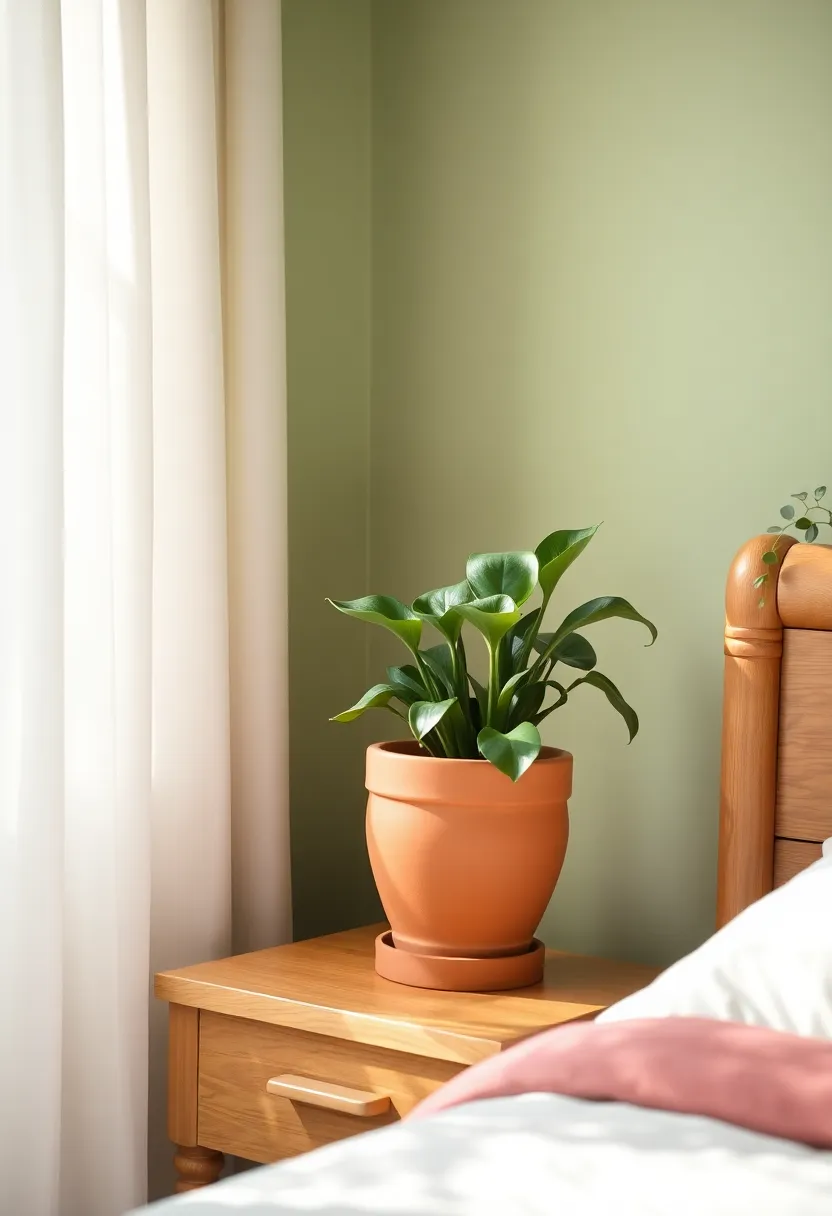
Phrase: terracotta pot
x=465 y=861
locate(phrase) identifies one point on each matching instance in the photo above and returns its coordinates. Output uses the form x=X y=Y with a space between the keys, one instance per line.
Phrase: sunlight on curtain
x=119 y=698
x=108 y=514
x=191 y=742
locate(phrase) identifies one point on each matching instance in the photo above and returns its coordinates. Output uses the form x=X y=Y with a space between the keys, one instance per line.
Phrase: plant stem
x=461 y=668
x=532 y=632
x=465 y=735
x=427 y=675
x=455 y=670
x=493 y=682
x=431 y=748
x=466 y=693
x=535 y=671
x=445 y=736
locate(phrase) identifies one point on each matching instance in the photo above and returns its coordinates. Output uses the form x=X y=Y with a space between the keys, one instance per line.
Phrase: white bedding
x=769 y=966
x=533 y=1155
x=542 y=1153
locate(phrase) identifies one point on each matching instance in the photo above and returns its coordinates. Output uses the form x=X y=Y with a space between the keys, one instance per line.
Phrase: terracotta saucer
x=458 y=974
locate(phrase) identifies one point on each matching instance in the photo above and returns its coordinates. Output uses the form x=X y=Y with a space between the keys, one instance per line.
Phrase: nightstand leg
x=196 y=1167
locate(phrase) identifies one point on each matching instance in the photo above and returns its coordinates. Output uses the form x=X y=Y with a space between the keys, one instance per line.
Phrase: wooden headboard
x=776 y=791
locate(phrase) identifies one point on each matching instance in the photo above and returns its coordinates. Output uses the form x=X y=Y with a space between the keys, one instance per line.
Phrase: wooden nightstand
x=278 y=1052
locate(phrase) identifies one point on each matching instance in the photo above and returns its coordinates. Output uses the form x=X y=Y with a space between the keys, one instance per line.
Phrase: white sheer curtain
x=142 y=557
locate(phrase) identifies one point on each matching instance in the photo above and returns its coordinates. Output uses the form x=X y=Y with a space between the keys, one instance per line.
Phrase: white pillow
x=769 y=966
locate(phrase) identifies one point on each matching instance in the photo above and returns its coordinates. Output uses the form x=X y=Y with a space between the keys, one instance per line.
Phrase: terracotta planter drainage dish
x=465 y=862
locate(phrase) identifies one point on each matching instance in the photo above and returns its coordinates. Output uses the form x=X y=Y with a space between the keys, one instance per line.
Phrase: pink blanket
x=765 y=1080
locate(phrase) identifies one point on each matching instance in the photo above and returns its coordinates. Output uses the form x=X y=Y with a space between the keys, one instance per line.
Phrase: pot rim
x=396 y=770
x=409 y=749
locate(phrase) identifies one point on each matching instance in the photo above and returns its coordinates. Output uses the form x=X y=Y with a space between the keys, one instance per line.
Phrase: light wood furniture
x=277 y=1052
x=776 y=792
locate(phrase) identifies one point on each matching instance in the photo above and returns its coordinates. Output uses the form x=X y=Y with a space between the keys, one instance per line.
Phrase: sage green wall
x=602 y=290
x=326 y=73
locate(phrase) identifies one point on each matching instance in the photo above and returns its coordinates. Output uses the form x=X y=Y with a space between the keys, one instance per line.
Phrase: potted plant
x=467 y=821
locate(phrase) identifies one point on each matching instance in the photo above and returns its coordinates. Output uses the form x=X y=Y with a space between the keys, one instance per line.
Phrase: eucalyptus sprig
x=447 y=710
x=806 y=519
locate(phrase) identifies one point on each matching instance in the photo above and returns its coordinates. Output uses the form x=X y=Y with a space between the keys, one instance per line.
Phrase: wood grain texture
x=239 y=1057
x=804 y=769
x=776 y=766
x=804 y=591
x=183 y=1071
x=329 y=1096
x=792 y=856
x=751 y=695
x=196 y=1167
x=328 y=986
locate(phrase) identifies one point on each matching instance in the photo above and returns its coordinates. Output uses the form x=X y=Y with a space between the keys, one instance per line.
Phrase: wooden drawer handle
x=329 y=1096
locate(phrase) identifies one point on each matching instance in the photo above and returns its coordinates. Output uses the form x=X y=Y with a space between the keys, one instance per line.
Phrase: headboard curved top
x=776 y=784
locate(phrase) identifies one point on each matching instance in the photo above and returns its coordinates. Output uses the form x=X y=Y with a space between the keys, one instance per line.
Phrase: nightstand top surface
x=328 y=985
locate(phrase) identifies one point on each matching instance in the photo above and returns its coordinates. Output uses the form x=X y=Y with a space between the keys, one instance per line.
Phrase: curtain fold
x=107 y=523
x=31 y=602
x=191 y=809
x=143 y=786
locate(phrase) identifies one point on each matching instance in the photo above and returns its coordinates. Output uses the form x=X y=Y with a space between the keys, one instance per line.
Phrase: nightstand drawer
x=238 y=1057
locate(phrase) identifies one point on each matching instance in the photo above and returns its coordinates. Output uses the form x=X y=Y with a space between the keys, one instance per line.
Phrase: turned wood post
x=196 y=1167
x=751 y=700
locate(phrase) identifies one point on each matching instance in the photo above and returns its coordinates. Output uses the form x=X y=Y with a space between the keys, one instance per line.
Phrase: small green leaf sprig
x=806 y=519
x=446 y=709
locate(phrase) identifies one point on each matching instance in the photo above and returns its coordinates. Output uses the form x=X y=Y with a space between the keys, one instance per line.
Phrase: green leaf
x=597 y=680
x=408 y=683
x=510 y=688
x=376 y=697
x=527 y=702
x=438 y=607
x=512 y=753
x=387 y=611
x=802 y=496
x=812 y=532
x=770 y=558
x=788 y=511
x=759 y=580
x=574 y=650
x=501 y=574
x=819 y=493
x=550 y=709
x=803 y=523
x=774 y=528
x=601 y=609
x=514 y=652
x=558 y=551
x=423 y=716
x=481 y=694
x=493 y=616
x=438 y=659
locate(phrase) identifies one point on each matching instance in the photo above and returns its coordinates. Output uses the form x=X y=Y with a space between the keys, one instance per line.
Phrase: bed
x=531 y=1135
x=776 y=788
